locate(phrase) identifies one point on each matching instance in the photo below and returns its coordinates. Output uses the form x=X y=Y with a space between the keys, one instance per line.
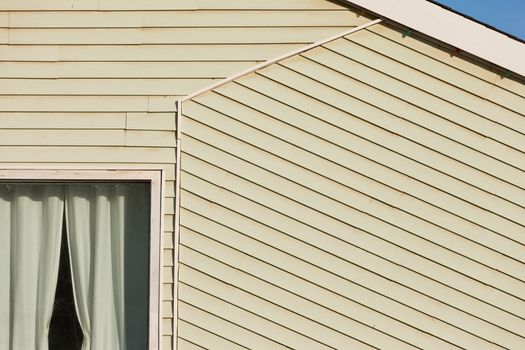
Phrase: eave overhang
x=451 y=28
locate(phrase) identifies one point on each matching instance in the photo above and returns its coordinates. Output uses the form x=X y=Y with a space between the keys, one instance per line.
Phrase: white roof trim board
x=453 y=29
x=279 y=58
x=429 y=19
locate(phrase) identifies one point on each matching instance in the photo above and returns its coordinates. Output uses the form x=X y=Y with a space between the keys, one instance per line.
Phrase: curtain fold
x=108 y=237
x=30 y=235
x=95 y=218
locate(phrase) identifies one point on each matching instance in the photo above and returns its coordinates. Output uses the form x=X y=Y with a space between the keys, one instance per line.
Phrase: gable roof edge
x=451 y=28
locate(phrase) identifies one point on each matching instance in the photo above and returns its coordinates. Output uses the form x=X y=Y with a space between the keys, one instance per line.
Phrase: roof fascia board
x=451 y=28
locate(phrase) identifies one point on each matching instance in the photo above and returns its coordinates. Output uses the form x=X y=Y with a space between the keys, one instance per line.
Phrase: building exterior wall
x=368 y=193
x=94 y=83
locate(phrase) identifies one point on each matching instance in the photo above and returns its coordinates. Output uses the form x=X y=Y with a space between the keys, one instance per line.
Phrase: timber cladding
x=94 y=83
x=366 y=194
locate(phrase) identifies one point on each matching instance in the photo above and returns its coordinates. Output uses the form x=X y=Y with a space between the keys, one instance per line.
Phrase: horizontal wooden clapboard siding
x=98 y=87
x=134 y=5
x=93 y=70
x=149 y=53
x=94 y=138
x=94 y=83
x=174 y=19
x=161 y=36
x=368 y=193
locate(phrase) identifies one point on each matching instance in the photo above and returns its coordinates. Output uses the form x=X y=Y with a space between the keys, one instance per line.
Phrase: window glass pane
x=108 y=231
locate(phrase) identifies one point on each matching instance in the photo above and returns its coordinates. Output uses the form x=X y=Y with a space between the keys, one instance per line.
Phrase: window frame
x=155 y=177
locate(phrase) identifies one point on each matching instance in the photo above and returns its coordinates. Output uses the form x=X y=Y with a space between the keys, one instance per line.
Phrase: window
x=80 y=247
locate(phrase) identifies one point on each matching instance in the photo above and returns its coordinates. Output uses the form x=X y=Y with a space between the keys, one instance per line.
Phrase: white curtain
x=95 y=220
x=30 y=234
x=108 y=236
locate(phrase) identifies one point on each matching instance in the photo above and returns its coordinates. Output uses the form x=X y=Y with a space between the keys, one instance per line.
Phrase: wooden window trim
x=156 y=179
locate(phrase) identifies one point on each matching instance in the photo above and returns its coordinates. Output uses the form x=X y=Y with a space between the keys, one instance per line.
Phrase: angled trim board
x=279 y=58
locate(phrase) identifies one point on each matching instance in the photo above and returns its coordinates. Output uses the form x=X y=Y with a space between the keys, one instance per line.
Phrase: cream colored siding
x=94 y=83
x=365 y=194
x=133 y=5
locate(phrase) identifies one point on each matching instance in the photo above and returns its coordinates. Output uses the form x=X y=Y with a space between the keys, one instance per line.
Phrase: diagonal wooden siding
x=95 y=82
x=367 y=194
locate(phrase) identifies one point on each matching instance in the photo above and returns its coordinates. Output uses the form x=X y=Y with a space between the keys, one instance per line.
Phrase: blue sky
x=506 y=15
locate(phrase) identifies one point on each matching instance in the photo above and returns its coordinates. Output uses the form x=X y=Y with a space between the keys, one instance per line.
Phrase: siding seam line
x=244 y=290
x=435 y=114
x=327 y=252
x=351 y=225
x=192 y=343
x=476 y=297
x=367 y=140
x=358 y=154
x=483 y=169
x=399 y=227
x=178 y=150
x=339 y=276
x=462 y=70
x=333 y=162
x=427 y=91
x=343 y=203
x=364 y=323
x=386 y=222
x=223 y=318
x=419 y=69
x=359 y=285
x=359 y=117
x=251 y=275
x=208 y=331
x=233 y=303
